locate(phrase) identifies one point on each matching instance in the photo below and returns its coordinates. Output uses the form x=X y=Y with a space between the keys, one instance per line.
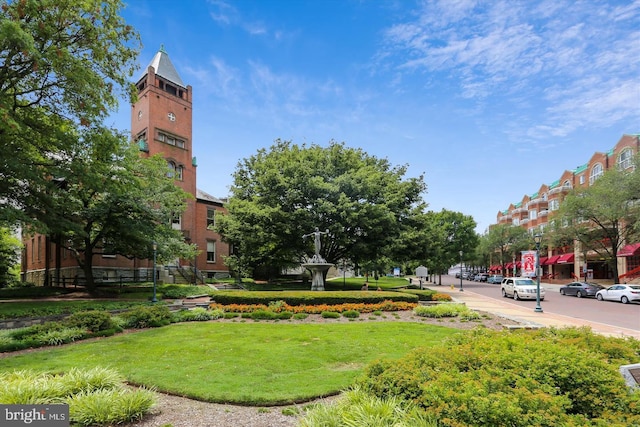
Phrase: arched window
x=172 y=170
x=596 y=172
x=566 y=184
x=624 y=159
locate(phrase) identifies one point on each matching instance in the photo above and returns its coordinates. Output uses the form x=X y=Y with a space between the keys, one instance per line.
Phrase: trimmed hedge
x=426 y=294
x=295 y=298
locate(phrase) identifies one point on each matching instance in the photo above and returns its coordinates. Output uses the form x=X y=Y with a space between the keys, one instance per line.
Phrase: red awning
x=566 y=259
x=551 y=260
x=629 y=250
x=518 y=264
x=542 y=260
x=508 y=265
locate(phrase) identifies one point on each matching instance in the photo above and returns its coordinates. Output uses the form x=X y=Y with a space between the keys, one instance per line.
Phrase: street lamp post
x=155 y=251
x=537 y=238
x=461 y=290
x=344 y=274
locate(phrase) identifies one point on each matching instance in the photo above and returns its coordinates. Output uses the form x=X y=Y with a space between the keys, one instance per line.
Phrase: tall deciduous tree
x=9 y=256
x=604 y=216
x=505 y=241
x=112 y=201
x=280 y=194
x=63 y=65
x=435 y=239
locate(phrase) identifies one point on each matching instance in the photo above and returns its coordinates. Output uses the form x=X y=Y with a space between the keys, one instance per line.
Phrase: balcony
x=543 y=213
x=558 y=190
x=524 y=221
x=519 y=210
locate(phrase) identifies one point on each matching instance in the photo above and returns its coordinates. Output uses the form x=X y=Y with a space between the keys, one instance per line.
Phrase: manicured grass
x=245 y=363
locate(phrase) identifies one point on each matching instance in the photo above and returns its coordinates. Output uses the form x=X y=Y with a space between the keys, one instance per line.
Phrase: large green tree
x=63 y=65
x=9 y=256
x=435 y=240
x=504 y=241
x=604 y=216
x=112 y=201
x=280 y=194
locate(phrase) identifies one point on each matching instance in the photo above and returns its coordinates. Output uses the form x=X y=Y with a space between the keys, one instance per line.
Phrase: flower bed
x=280 y=306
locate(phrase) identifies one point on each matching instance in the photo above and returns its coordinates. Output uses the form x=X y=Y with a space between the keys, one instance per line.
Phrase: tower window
x=172 y=117
x=175 y=170
x=171 y=140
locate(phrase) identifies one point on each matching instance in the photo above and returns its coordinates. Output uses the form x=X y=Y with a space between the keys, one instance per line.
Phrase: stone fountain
x=317 y=265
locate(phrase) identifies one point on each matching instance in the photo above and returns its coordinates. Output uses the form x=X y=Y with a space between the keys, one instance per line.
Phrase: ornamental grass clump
x=198 y=314
x=441 y=310
x=356 y=408
x=96 y=397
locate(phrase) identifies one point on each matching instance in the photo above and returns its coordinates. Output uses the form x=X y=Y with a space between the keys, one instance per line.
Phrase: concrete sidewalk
x=528 y=316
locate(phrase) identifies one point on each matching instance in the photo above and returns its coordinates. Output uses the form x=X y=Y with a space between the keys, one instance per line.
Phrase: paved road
x=558 y=310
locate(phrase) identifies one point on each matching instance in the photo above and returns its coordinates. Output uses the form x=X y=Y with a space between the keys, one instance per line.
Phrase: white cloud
x=564 y=65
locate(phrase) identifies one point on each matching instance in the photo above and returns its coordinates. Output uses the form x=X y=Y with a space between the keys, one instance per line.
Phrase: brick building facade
x=161 y=123
x=535 y=211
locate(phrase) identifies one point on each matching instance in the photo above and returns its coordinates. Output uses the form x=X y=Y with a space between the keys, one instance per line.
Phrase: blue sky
x=489 y=99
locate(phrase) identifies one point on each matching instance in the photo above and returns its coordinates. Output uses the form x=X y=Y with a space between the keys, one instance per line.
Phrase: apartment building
x=534 y=211
x=161 y=123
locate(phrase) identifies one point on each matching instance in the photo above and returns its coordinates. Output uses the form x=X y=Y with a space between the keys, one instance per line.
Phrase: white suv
x=520 y=288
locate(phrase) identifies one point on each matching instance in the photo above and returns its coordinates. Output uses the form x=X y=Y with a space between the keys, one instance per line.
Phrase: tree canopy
x=506 y=241
x=63 y=65
x=112 y=201
x=280 y=194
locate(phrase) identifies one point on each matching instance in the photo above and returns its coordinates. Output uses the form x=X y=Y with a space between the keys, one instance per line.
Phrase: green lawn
x=246 y=363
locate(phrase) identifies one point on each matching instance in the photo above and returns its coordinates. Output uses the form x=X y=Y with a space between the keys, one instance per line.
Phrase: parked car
x=581 y=289
x=496 y=279
x=622 y=293
x=481 y=277
x=520 y=288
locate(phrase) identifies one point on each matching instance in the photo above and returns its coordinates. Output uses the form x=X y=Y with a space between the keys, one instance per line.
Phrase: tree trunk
x=87 y=268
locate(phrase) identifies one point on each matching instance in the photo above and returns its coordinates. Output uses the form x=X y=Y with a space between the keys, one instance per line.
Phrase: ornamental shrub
x=351 y=314
x=92 y=320
x=330 y=314
x=264 y=315
x=518 y=378
x=147 y=317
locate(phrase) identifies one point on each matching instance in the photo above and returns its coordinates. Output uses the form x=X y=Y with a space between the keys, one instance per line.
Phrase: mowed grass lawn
x=249 y=363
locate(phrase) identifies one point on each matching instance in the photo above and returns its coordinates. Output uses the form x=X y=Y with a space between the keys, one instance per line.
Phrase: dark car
x=581 y=289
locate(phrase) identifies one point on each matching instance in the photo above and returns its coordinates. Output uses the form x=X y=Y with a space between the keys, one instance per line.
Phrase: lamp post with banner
x=537 y=238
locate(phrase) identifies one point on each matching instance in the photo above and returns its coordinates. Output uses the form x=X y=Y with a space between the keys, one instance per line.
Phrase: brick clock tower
x=161 y=123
